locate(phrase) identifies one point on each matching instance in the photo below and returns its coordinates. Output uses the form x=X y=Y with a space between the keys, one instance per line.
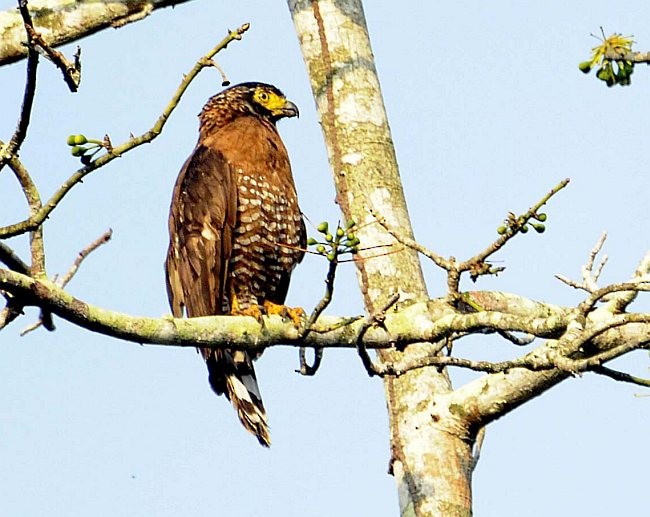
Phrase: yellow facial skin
x=276 y=104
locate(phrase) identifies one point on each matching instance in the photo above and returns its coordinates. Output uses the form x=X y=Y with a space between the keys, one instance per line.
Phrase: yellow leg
x=235 y=310
x=296 y=314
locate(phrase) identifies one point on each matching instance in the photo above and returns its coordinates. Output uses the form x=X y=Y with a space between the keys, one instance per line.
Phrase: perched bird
x=236 y=231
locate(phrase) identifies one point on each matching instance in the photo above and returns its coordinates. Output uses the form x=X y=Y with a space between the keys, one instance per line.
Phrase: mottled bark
x=431 y=450
x=63 y=21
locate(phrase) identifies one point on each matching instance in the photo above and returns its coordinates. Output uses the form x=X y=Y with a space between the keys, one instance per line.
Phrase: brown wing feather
x=201 y=222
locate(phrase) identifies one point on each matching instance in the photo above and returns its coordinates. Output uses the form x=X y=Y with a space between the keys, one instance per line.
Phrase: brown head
x=246 y=99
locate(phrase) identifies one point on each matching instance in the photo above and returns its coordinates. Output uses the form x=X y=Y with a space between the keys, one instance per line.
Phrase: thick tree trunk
x=431 y=450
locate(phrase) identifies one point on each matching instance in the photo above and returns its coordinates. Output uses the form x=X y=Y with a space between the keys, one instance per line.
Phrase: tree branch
x=62 y=21
x=409 y=323
x=477 y=264
x=12 y=147
x=71 y=71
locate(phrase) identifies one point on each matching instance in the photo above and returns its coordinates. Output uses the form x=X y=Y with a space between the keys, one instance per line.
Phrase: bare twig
x=590 y=277
x=36 y=219
x=224 y=78
x=12 y=147
x=618 y=302
x=11 y=311
x=477 y=264
x=439 y=260
x=633 y=286
x=377 y=318
x=11 y=260
x=620 y=376
x=305 y=368
x=513 y=227
x=45 y=318
x=34 y=201
x=588 y=273
x=71 y=71
x=101 y=240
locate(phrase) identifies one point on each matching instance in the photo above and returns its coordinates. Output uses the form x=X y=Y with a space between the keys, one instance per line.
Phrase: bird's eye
x=263 y=96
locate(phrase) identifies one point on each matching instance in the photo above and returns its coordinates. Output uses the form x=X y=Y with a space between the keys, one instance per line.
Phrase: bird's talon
x=295 y=314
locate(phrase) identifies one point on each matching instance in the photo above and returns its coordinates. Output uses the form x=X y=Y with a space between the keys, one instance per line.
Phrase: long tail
x=231 y=373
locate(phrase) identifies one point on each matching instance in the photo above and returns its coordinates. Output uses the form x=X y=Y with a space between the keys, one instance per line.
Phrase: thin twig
x=12 y=147
x=599 y=294
x=590 y=277
x=71 y=71
x=439 y=260
x=224 y=78
x=620 y=376
x=45 y=318
x=305 y=368
x=376 y=318
x=477 y=264
x=101 y=240
x=11 y=260
x=513 y=228
x=11 y=311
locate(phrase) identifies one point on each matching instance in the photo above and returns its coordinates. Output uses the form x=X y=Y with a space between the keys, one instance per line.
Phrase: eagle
x=236 y=231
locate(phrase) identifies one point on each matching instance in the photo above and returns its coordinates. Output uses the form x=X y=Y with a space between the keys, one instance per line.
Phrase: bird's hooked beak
x=290 y=110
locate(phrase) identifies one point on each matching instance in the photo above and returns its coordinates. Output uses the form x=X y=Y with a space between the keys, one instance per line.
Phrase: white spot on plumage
x=208 y=232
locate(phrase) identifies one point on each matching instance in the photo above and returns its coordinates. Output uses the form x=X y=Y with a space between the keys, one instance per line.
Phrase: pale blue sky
x=488 y=111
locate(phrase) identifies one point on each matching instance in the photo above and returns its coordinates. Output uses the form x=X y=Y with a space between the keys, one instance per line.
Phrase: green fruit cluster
x=616 y=72
x=522 y=224
x=341 y=241
x=81 y=150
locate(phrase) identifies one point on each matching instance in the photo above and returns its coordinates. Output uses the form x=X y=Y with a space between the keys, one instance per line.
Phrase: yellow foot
x=254 y=310
x=296 y=314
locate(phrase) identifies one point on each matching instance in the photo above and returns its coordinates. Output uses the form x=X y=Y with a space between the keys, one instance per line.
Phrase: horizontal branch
x=409 y=323
x=62 y=21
